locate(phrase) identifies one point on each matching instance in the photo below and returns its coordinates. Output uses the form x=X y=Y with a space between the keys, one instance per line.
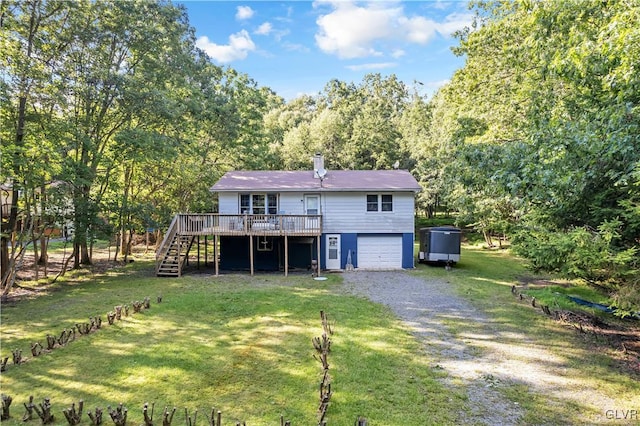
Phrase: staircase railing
x=166 y=242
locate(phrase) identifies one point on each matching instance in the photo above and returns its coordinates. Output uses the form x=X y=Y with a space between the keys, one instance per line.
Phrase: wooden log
x=187 y=417
x=6 y=403
x=361 y=421
x=118 y=310
x=3 y=363
x=137 y=306
x=326 y=326
x=96 y=322
x=159 y=299
x=212 y=420
x=36 y=349
x=147 y=302
x=17 y=356
x=96 y=416
x=126 y=310
x=44 y=412
x=322 y=358
x=119 y=415
x=74 y=417
x=30 y=407
x=111 y=317
x=67 y=336
x=148 y=418
x=167 y=417
x=84 y=328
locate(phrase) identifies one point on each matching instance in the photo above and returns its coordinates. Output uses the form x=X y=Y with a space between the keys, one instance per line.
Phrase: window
x=387 y=203
x=312 y=204
x=372 y=203
x=259 y=203
x=245 y=203
x=379 y=203
x=272 y=203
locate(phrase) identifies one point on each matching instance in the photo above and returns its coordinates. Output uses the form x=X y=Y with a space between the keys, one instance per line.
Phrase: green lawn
x=236 y=343
x=243 y=345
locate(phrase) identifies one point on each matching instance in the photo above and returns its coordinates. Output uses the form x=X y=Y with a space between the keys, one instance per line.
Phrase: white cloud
x=244 y=12
x=398 y=53
x=240 y=44
x=350 y=31
x=295 y=47
x=455 y=22
x=264 y=29
x=353 y=31
x=418 y=29
x=372 y=66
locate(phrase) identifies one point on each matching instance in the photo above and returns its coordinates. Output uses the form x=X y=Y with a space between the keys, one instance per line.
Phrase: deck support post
x=206 y=254
x=251 y=253
x=215 y=252
x=286 y=255
x=318 y=254
x=198 y=251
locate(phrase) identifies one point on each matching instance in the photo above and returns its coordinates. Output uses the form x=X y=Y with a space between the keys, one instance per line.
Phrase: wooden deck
x=249 y=225
x=178 y=239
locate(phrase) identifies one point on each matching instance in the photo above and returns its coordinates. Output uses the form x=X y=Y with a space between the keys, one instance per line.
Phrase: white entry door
x=333 y=251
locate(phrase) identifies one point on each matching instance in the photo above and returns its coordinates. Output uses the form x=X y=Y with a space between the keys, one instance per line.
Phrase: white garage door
x=380 y=252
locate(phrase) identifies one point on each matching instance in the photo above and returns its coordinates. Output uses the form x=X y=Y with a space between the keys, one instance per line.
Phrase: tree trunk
x=85 y=259
x=44 y=256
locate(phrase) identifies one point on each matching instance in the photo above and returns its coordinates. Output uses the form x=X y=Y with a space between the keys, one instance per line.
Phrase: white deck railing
x=248 y=224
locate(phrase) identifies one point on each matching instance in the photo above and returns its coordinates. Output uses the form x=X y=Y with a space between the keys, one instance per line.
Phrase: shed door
x=380 y=252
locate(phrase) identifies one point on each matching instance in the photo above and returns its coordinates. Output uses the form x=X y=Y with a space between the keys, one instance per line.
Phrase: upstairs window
x=258 y=203
x=372 y=203
x=386 y=203
x=379 y=203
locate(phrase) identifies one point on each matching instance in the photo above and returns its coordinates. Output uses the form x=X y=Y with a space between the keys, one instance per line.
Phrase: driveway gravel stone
x=480 y=359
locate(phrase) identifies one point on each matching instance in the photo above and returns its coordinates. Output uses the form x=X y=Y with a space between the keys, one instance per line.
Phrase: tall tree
x=28 y=52
x=544 y=117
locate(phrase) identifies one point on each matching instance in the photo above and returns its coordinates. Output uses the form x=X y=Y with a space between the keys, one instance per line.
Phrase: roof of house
x=334 y=181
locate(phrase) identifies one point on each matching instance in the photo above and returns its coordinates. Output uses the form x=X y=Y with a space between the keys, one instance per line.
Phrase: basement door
x=333 y=251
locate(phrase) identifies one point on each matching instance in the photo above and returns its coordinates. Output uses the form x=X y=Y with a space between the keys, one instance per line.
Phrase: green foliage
x=539 y=133
x=591 y=255
x=354 y=126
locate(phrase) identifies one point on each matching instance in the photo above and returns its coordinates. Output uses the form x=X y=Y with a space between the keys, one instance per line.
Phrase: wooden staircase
x=173 y=252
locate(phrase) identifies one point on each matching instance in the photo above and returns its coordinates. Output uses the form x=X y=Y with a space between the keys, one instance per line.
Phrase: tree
x=27 y=52
x=545 y=114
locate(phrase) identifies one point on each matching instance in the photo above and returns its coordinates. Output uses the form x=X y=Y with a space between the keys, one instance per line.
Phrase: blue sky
x=296 y=47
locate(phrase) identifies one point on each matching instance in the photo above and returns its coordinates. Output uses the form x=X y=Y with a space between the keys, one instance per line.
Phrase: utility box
x=440 y=244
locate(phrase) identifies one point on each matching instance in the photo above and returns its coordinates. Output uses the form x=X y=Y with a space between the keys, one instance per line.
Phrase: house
x=277 y=220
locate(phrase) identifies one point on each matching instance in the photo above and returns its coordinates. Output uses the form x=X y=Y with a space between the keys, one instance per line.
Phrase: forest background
x=112 y=120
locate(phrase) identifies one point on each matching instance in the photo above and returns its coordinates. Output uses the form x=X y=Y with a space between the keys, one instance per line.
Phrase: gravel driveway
x=480 y=359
